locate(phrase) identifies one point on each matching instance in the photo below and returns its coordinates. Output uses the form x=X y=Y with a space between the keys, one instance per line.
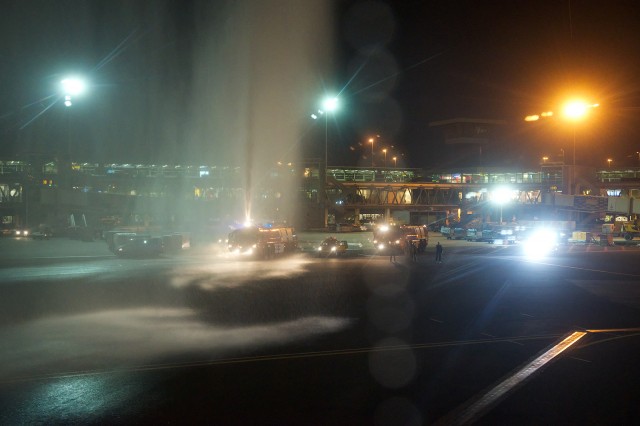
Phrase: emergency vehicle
x=263 y=242
x=400 y=237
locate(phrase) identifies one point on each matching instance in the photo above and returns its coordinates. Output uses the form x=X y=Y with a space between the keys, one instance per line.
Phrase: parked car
x=41 y=234
x=140 y=247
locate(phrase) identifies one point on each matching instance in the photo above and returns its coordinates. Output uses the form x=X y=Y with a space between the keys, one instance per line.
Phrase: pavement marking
x=276 y=357
x=614 y=330
x=602 y=271
x=471 y=411
x=579 y=359
x=610 y=339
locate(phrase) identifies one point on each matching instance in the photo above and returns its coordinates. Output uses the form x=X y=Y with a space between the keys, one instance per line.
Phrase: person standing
x=438 y=252
x=392 y=253
x=414 y=251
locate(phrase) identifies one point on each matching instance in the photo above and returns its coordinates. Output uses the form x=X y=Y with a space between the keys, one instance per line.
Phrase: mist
x=203 y=83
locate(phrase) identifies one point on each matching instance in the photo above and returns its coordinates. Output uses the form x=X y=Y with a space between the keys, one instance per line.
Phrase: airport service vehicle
x=263 y=242
x=400 y=237
x=21 y=232
x=502 y=236
x=629 y=231
x=453 y=233
x=140 y=247
x=417 y=235
x=332 y=247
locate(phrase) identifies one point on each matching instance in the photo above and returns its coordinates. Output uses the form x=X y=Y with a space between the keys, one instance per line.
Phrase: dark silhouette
x=439 y=253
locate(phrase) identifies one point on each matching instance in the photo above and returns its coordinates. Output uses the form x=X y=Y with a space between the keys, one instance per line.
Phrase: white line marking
x=579 y=359
x=477 y=408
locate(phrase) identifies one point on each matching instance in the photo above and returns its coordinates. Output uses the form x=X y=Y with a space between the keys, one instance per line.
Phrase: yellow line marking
x=614 y=330
x=610 y=339
x=477 y=408
x=286 y=356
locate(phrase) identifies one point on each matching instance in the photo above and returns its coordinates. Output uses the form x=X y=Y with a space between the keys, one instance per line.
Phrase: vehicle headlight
x=319 y=248
x=380 y=246
x=540 y=244
x=25 y=233
x=333 y=248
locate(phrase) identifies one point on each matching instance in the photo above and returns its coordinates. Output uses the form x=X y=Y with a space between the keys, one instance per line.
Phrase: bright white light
x=315 y=117
x=575 y=109
x=380 y=246
x=384 y=228
x=68 y=103
x=330 y=104
x=541 y=243
x=73 y=86
x=501 y=195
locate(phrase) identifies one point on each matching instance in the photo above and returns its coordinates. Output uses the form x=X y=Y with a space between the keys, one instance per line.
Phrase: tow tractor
x=629 y=231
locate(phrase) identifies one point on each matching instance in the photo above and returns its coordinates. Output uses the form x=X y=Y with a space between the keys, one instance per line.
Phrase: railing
x=13 y=167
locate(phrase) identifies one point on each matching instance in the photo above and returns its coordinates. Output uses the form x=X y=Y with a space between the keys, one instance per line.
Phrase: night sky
x=398 y=65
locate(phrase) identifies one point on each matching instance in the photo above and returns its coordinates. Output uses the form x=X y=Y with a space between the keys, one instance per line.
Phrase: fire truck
x=400 y=237
x=263 y=242
x=418 y=235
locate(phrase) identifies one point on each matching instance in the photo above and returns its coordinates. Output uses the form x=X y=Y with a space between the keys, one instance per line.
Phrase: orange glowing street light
x=395 y=162
x=609 y=160
x=576 y=110
x=385 y=156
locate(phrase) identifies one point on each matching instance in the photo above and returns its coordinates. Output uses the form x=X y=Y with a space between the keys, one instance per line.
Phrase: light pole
x=385 y=157
x=395 y=162
x=609 y=160
x=71 y=87
x=575 y=111
x=330 y=104
x=501 y=196
x=371 y=140
x=544 y=160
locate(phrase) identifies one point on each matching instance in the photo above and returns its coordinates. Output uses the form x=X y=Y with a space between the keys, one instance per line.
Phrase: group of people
x=414 y=253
